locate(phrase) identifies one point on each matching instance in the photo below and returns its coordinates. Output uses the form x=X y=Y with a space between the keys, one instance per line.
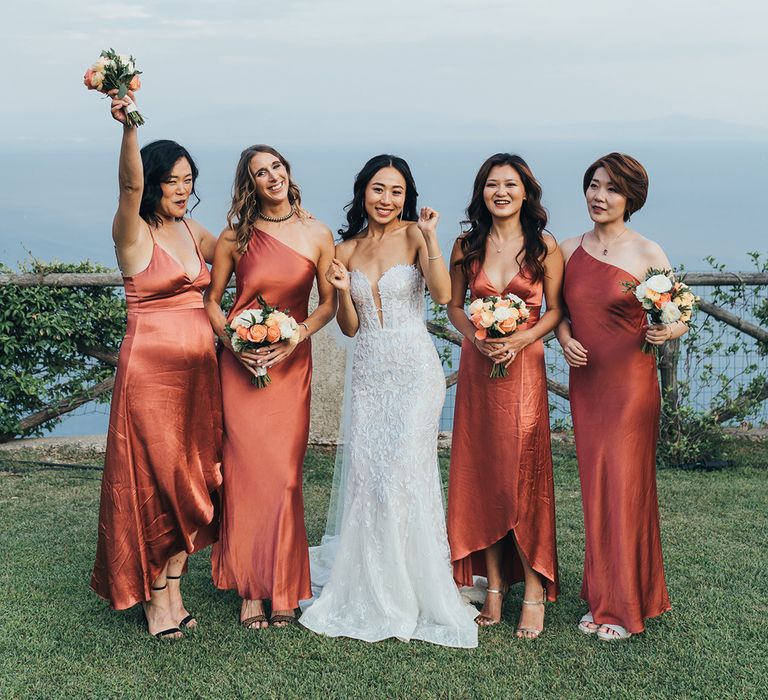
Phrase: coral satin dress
x=263 y=552
x=501 y=457
x=615 y=408
x=164 y=441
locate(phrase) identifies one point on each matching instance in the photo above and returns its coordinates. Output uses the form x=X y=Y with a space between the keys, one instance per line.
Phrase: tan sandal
x=280 y=621
x=532 y=632
x=483 y=620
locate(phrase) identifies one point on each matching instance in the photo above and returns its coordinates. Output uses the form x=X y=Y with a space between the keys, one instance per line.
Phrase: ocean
x=706 y=198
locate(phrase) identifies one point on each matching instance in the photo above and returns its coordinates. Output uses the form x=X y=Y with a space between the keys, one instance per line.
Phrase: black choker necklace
x=279 y=219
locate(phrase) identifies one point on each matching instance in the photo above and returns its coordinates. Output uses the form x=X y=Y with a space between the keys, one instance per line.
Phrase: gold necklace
x=279 y=219
x=605 y=248
x=495 y=245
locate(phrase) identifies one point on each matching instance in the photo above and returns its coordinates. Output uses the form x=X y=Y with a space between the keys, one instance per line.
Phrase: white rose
x=286 y=329
x=247 y=318
x=100 y=65
x=514 y=299
x=670 y=312
x=659 y=283
x=640 y=291
x=475 y=306
x=127 y=62
x=502 y=313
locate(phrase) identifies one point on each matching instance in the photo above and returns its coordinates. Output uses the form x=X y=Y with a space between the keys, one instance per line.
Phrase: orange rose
x=273 y=333
x=663 y=299
x=475 y=318
x=242 y=332
x=135 y=83
x=481 y=334
x=88 y=78
x=508 y=325
x=256 y=333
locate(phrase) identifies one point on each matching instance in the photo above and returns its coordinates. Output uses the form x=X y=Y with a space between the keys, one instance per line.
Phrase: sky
x=412 y=71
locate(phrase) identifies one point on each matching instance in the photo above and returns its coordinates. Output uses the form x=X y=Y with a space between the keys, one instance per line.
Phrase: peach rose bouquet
x=257 y=328
x=497 y=317
x=114 y=71
x=664 y=299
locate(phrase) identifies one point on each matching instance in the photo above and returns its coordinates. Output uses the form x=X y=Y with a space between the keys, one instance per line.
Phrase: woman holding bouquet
x=163 y=446
x=383 y=569
x=501 y=508
x=614 y=394
x=277 y=251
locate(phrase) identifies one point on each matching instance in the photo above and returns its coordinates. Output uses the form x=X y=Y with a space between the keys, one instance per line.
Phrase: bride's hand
x=119 y=105
x=427 y=222
x=338 y=275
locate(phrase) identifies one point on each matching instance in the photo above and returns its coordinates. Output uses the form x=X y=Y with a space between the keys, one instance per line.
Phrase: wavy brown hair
x=627 y=175
x=533 y=219
x=245 y=209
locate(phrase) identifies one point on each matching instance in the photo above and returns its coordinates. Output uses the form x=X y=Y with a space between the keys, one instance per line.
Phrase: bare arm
x=430 y=258
x=574 y=352
x=338 y=276
x=326 y=292
x=659 y=333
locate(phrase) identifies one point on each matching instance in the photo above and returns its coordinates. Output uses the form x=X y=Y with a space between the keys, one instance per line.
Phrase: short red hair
x=628 y=177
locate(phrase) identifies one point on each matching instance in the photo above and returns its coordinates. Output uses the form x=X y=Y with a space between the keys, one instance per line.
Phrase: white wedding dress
x=383 y=568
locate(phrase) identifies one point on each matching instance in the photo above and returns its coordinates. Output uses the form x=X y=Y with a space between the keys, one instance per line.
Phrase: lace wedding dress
x=383 y=568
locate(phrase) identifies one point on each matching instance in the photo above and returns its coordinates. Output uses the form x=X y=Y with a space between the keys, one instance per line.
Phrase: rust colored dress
x=501 y=458
x=263 y=552
x=163 y=454
x=615 y=408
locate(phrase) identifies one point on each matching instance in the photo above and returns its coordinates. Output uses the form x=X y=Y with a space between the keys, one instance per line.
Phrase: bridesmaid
x=501 y=508
x=163 y=446
x=276 y=251
x=615 y=401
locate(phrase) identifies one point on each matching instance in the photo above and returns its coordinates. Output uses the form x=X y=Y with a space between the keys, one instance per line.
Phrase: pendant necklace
x=279 y=219
x=493 y=243
x=605 y=248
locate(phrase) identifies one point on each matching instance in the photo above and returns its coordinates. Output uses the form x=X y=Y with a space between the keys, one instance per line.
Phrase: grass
x=58 y=640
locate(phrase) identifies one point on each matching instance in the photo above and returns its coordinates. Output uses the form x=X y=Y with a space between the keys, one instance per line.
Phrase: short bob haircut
x=628 y=177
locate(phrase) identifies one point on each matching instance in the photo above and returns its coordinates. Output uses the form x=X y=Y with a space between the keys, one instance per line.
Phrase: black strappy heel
x=189 y=618
x=170 y=630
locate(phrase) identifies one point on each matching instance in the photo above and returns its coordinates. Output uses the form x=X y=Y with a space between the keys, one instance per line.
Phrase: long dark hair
x=356 y=216
x=158 y=159
x=245 y=208
x=533 y=219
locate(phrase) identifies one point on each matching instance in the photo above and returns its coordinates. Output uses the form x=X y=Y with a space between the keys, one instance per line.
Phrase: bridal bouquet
x=256 y=328
x=664 y=299
x=116 y=72
x=497 y=317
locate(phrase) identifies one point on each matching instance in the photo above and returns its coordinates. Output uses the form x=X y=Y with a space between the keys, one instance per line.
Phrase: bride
x=383 y=569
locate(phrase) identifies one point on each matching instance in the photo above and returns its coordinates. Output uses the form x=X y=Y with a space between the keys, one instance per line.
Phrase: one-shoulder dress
x=163 y=459
x=263 y=552
x=615 y=407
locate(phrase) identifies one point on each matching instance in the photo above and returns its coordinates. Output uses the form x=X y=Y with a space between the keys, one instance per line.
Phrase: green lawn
x=58 y=640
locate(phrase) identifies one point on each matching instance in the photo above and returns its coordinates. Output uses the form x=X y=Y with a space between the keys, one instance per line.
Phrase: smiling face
x=604 y=202
x=176 y=190
x=504 y=192
x=385 y=196
x=270 y=177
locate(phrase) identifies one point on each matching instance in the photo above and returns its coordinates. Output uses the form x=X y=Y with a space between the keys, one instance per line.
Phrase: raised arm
x=431 y=262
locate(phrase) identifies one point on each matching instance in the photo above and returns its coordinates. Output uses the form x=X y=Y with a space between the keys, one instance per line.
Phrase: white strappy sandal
x=621 y=633
x=584 y=623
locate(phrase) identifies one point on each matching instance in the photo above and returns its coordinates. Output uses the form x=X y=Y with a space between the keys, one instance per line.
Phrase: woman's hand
x=575 y=353
x=119 y=105
x=505 y=350
x=658 y=333
x=276 y=352
x=484 y=346
x=338 y=275
x=248 y=359
x=427 y=222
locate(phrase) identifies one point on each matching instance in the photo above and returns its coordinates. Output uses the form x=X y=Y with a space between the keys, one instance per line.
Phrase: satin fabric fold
x=263 y=552
x=162 y=464
x=615 y=406
x=501 y=458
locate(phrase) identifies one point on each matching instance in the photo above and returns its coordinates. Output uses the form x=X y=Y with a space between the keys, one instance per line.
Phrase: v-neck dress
x=163 y=456
x=263 y=552
x=501 y=457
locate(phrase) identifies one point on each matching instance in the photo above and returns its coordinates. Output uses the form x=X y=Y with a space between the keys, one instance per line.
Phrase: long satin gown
x=262 y=551
x=615 y=407
x=501 y=457
x=162 y=464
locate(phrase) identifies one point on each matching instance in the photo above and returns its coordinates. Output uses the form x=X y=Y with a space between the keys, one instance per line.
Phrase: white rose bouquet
x=665 y=300
x=116 y=72
x=497 y=317
x=257 y=328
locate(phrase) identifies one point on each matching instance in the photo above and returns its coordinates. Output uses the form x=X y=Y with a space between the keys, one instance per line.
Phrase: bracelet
x=434 y=257
x=306 y=327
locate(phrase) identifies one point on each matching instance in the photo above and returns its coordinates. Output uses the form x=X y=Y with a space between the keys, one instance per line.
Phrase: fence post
x=668 y=361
